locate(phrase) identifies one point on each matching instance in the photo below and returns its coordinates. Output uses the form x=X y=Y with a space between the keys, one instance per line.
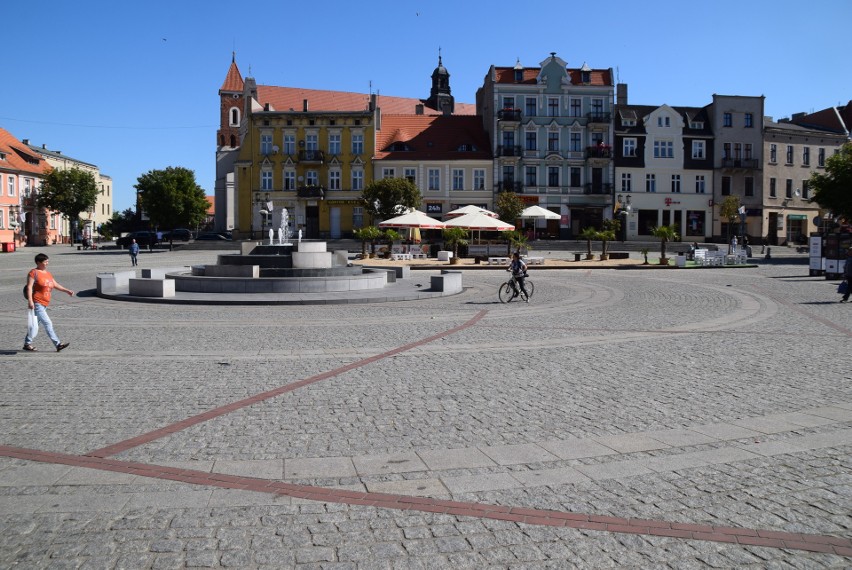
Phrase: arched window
x=233 y=141
x=235 y=117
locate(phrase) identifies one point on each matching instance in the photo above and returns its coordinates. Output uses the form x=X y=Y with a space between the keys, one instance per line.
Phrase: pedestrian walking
x=733 y=245
x=847 y=275
x=40 y=284
x=133 y=248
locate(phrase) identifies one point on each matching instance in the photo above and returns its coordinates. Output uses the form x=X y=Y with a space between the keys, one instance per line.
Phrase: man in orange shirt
x=40 y=283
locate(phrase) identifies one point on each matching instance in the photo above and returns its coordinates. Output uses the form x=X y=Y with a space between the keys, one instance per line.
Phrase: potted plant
x=368 y=234
x=665 y=234
x=644 y=252
x=610 y=230
x=515 y=240
x=589 y=234
x=454 y=237
x=390 y=236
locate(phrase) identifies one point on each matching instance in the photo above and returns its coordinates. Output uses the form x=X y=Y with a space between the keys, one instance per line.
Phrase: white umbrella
x=539 y=212
x=470 y=210
x=479 y=221
x=413 y=219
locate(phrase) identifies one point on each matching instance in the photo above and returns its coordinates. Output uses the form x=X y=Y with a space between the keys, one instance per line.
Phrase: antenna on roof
x=617 y=75
x=371 y=87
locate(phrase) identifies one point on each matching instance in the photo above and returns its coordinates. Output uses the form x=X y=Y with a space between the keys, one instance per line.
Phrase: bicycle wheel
x=530 y=288
x=506 y=293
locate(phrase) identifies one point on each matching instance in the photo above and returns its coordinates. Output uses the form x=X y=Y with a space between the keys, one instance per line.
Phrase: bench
x=418 y=255
x=447 y=282
x=498 y=261
x=534 y=260
x=444 y=255
x=401 y=256
x=114 y=282
x=252 y=271
x=152 y=287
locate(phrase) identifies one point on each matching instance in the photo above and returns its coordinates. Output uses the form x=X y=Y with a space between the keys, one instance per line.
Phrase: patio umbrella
x=479 y=222
x=470 y=210
x=534 y=212
x=413 y=219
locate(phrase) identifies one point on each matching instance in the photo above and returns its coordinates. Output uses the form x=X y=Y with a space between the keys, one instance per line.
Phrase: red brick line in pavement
x=800 y=310
x=734 y=535
x=257 y=398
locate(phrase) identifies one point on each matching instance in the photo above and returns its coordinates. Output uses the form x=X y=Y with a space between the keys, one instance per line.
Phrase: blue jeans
x=44 y=321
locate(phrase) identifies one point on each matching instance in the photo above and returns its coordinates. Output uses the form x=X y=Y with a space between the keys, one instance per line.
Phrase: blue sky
x=132 y=86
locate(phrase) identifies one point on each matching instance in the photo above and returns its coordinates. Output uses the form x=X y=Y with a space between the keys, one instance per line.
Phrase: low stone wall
x=152 y=287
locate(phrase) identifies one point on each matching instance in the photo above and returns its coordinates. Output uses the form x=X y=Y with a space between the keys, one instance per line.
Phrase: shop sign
x=669 y=201
x=797 y=217
x=533 y=200
x=344 y=202
x=434 y=208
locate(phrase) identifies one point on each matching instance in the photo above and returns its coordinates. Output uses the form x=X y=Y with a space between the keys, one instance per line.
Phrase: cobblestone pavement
x=624 y=418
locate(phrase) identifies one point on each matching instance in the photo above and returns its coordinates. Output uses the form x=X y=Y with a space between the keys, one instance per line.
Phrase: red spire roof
x=234 y=79
x=19 y=156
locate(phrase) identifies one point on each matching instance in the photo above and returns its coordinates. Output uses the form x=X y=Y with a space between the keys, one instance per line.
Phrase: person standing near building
x=847 y=275
x=40 y=284
x=133 y=248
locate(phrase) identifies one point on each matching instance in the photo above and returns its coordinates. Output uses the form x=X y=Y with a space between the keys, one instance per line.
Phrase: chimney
x=418 y=109
x=305 y=105
x=447 y=109
x=373 y=102
x=621 y=94
x=26 y=141
x=797 y=116
x=266 y=106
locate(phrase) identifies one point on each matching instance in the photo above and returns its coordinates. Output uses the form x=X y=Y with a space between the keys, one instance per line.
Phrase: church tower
x=231 y=108
x=440 y=97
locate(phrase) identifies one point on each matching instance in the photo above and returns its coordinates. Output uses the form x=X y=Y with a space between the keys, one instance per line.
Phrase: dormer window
x=697 y=125
x=664 y=121
x=586 y=76
x=399 y=147
x=519 y=75
x=466 y=148
x=628 y=122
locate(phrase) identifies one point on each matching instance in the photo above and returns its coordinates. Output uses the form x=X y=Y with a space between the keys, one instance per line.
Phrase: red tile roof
x=20 y=157
x=211 y=205
x=597 y=77
x=287 y=98
x=234 y=79
x=432 y=137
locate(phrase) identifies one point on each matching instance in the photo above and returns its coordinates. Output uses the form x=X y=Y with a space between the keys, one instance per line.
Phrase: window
x=576 y=181
x=357 y=179
x=531 y=140
x=28 y=186
x=695 y=220
x=738 y=151
x=508 y=102
x=676 y=183
x=508 y=175
x=334 y=180
x=357 y=144
x=289 y=179
x=410 y=174
x=726 y=151
x=663 y=149
x=235 y=117
x=434 y=179
x=311 y=142
x=806 y=156
x=700 y=184
x=806 y=192
x=553 y=176
x=576 y=142
x=508 y=142
x=726 y=186
x=530 y=176
x=266 y=143
x=772 y=192
x=749 y=120
x=458 y=179
x=11 y=186
x=552 y=107
x=289 y=144
x=664 y=121
x=747 y=151
x=576 y=107
x=789 y=154
x=629 y=147
x=553 y=142
x=334 y=143
x=2 y=219
x=698 y=150
x=773 y=153
x=788 y=188
x=626 y=182
x=749 y=186
x=388 y=172
x=531 y=107
x=650 y=183
x=598 y=108
x=312 y=178
x=727 y=120
x=821 y=157
x=357 y=217
x=479 y=179
x=266 y=180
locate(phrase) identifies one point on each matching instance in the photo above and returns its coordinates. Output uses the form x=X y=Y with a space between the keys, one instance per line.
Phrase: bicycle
x=509 y=290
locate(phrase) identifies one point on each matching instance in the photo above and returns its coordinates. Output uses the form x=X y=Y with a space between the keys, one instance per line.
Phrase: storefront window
x=695 y=220
x=647 y=221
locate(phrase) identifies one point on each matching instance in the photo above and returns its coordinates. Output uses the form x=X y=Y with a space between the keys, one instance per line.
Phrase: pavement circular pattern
x=622 y=418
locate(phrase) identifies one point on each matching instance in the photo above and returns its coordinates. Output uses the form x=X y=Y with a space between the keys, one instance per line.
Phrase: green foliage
x=516 y=240
x=454 y=237
x=391 y=235
x=666 y=234
x=509 y=206
x=368 y=234
x=589 y=233
x=172 y=198
x=69 y=192
x=382 y=197
x=833 y=189
x=605 y=236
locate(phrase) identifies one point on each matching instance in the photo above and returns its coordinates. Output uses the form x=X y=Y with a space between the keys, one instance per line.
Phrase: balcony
x=509 y=115
x=599 y=117
x=308 y=156
x=310 y=192
x=509 y=185
x=597 y=188
x=599 y=151
x=744 y=163
x=509 y=150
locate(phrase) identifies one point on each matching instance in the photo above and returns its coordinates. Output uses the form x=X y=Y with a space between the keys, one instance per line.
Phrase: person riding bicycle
x=519 y=272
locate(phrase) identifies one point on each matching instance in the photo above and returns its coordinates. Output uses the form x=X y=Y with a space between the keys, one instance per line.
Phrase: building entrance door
x=312 y=222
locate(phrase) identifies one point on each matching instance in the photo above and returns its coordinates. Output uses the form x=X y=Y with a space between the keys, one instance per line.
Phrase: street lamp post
x=625 y=207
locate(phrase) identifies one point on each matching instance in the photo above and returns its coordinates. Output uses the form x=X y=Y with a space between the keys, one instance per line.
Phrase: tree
x=172 y=198
x=729 y=210
x=368 y=234
x=454 y=237
x=516 y=240
x=589 y=233
x=381 y=198
x=69 y=192
x=833 y=189
x=666 y=234
x=119 y=222
x=609 y=232
x=509 y=207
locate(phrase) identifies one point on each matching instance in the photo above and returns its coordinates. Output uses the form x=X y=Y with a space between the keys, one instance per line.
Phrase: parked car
x=213 y=236
x=179 y=234
x=143 y=238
